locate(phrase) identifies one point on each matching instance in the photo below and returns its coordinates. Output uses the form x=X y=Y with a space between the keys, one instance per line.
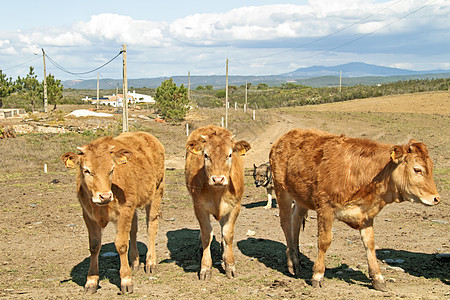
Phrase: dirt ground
x=44 y=246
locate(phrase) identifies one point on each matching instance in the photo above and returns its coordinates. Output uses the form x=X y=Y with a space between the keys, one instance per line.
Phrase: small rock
x=398 y=269
x=71 y=225
x=192 y=267
x=153 y=278
x=250 y=233
x=387 y=220
x=389 y=261
x=439 y=221
x=110 y=254
x=399 y=261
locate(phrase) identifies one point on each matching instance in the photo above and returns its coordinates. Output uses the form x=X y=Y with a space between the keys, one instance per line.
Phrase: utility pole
x=226 y=98
x=125 y=90
x=117 y=95
x=245 y=105
x=98 y=86
x=189 y=85
x=45 y=84
x=340 y=80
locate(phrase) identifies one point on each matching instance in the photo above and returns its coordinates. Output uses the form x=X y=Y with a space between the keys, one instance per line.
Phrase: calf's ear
x=241 y=147
x=397 y=154
x=196 y=147
x=70 y=159
x=121 y=156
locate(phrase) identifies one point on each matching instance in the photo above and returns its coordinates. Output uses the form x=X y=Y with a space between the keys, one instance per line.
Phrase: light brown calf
x=348 y=179
x=215 y=179
x=115 y=176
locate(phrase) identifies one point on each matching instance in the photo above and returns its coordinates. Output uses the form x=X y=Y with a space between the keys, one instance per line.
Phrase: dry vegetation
x=43 y=240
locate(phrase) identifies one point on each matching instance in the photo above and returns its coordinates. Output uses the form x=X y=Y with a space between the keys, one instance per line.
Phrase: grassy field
x=43 y=239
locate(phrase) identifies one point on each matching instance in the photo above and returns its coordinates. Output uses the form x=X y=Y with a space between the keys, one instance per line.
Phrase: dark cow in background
x=115 y=176
x=262 y=175
x=215 y=179
x=348 y=179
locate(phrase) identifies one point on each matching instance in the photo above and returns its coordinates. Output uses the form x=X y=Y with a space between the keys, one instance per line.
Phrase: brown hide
x=345 y=178
x=214 y=174
x=115 y=176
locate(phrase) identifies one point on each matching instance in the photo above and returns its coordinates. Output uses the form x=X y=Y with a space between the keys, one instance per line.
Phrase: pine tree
x=172 y=101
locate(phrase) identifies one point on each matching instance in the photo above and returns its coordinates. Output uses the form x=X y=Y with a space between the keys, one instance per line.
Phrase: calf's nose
x=218 y=179
x=437 y=199
x=106 y=197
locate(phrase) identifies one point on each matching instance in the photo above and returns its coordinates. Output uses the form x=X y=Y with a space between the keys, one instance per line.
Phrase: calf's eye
x=418 y=171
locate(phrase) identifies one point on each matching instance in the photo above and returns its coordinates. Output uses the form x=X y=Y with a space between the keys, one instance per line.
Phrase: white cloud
x=6 y=48
x=123 y=29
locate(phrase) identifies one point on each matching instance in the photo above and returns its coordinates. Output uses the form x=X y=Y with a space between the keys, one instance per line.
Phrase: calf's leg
x=134 y=254
x=285 y=207
x=298 y=222
x=95 y=243
x=367 y=237
x=153 y=213
x=227 y=225
x=206 y=234
x=325 y=217
x=122 y=237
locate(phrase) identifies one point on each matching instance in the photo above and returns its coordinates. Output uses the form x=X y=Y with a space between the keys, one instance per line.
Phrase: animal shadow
x=273 y=255
x=108 y=266
x=417 y=264
x=186 y=251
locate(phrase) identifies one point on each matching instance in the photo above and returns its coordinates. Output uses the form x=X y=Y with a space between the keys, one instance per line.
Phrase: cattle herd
x=339 y=177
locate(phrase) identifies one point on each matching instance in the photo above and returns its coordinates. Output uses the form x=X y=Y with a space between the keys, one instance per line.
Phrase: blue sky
x=168 y=38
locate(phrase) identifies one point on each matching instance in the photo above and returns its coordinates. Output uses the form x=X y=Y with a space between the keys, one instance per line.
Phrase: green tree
x=262 y=86
x=30 y=88
x=7 y=87
x=200 y=88
x=172 y=102
x=54 y=90
x=209 y=87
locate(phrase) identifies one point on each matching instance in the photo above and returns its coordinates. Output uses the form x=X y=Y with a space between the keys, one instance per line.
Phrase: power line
x=80 y=73
x=331 y=34
x=21 y=64
x=356 y=39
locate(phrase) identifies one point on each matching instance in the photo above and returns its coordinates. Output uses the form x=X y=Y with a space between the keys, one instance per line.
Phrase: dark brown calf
x=348 y=179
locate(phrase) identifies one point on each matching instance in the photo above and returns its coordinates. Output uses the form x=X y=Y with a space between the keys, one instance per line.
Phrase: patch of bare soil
x=44 y=246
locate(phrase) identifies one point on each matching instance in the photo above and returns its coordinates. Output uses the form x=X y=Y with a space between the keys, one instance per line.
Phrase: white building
x=117 y=100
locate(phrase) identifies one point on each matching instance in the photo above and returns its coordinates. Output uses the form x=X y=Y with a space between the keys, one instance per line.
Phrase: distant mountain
x=355 y=69
x=317 y=76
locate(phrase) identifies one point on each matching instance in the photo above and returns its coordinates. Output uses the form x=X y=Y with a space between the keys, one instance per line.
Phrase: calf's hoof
x=230 y=271
x=379 y=285
x=91 y=285
x=294 y=268
x=150 y=268
x=317 y=283
x=205 y=274
x=126 y=286
x=90 y=289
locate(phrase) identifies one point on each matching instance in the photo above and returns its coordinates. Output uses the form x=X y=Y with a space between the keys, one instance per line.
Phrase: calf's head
x=414 y=173
x=218 y=150
x=96 y=165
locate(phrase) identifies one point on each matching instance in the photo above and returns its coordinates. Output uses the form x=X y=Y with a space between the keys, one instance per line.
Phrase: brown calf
x=348 y=179
x=115 y=176
x=215 y=179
